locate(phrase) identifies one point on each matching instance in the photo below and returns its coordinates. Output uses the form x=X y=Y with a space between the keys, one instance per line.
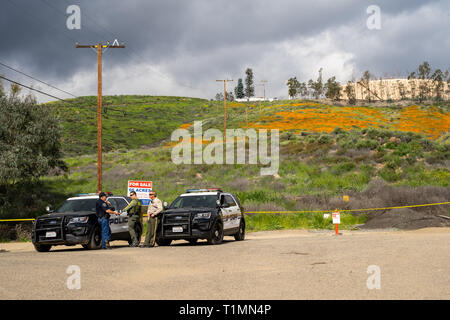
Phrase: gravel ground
x=287 y=264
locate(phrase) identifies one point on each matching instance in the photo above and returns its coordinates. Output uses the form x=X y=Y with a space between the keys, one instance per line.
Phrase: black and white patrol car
x=75 y=222
x=207 y=214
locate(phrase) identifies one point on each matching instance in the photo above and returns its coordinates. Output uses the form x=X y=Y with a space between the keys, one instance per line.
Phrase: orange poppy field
x=314 y=117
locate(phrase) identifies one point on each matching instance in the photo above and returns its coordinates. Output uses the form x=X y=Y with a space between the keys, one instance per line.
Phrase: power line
x=31 y=88
x=135 y=53
x=47 y=84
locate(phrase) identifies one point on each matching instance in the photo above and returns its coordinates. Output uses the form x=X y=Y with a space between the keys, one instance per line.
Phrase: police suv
x=207 y=214
x=75 y=222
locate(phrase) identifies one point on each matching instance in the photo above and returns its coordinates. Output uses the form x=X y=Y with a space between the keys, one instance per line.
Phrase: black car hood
x=181 y=210
x=63 y=214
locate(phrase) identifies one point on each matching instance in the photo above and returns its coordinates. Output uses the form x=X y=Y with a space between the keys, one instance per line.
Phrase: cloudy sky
x=180 y=47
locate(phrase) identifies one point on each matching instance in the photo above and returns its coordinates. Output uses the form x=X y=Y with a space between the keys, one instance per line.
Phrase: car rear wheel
x=42 y=247
x=216 y=236
x=240 y=235
x=192 y=241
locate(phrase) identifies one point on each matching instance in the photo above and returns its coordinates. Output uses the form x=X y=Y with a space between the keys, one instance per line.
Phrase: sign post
x=336 y=220
x=142 y=189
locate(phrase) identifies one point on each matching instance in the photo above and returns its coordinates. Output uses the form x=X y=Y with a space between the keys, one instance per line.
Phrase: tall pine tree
x=249 y=88
x=239 y=90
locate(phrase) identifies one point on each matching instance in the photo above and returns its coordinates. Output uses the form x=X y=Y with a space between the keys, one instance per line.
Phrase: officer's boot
x=108 y=246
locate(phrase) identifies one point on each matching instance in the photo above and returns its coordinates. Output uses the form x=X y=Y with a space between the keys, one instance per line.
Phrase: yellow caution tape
x=304 y=211
x=14 y=220
x=353 y=210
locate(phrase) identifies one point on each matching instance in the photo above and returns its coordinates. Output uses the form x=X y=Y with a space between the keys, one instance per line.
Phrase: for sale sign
x=142 y=189
x=336 y=217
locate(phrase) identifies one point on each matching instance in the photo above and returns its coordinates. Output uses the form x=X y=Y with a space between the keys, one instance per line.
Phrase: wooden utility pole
x=263 y=83
x=224 y=108
x=246 y=115
x=100 y=48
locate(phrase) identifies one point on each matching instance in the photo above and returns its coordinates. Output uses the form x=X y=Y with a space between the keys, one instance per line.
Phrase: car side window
x=113 y=203
x=120 y=203
x=229 y=200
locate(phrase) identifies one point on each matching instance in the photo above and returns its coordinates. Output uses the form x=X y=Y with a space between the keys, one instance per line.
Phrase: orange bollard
x=336 y=220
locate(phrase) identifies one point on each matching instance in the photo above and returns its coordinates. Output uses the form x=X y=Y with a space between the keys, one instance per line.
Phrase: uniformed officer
x=103 y=210
x=134 y=218
x=154 y=209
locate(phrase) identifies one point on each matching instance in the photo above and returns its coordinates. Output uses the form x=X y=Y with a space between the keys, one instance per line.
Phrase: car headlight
x=203 y=215
x=79 y=220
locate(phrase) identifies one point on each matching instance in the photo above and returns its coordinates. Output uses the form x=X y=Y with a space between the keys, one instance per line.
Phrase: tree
x=424 y=71
x=447 y=79
x=438 y=83
x=14 y=91
x=333 y=89
x=29 y=139
x=401 y=90
x=424 y=75
x=239 y=89
x=293 y=86
x=303 y=89
x=249 y=88
x=317 y=86
x=412 y=84
x=350 y=92
x=219 y=96
x=365 y=81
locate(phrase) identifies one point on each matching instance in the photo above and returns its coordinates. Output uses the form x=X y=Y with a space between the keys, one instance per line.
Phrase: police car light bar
x=204 y=190
x=93 y=194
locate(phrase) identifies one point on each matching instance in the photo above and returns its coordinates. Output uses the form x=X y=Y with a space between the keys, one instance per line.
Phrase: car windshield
x=77 y=205
x=208 y=201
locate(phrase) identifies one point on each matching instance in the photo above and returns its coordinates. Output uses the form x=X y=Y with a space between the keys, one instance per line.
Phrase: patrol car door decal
x=229 y=212
x=118 y=223
x=234 y=213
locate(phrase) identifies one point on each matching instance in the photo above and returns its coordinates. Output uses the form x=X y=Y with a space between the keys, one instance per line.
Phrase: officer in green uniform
x=134 y=218
x=153 y=212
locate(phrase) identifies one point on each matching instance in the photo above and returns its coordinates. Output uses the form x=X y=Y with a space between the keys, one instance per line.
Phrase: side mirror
x=47 y=208
x=165 y=205
x=218 y=202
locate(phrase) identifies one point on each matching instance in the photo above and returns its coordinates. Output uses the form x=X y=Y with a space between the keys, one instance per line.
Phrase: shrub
x=367 y=144
x=342 y=168
x=325 y=139
x=389 y=174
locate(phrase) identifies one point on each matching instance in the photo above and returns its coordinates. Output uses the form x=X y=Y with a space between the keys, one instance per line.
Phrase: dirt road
x=294 y=264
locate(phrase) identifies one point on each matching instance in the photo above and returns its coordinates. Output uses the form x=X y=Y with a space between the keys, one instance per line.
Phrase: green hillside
x=325 y=152
x=128 y=121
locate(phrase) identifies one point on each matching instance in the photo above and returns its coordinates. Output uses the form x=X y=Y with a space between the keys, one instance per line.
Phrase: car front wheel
x=216 y=236
x=96 y=240
x=42 y=247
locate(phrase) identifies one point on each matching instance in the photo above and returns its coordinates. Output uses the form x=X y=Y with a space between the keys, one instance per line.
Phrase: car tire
x=42 y=247
x=240 y=235
x=163 y=242
x=96 y=240
x=192 y=241
x=216 y=236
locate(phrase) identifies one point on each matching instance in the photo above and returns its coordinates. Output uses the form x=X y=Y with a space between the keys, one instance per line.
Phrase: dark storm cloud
x=198 y=40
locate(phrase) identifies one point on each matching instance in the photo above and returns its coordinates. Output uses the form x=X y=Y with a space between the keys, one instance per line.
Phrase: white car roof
x=92 y=197
x=198 y=194
x=83 y=197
